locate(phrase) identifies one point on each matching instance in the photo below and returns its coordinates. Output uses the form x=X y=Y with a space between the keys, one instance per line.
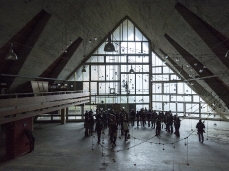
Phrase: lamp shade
x=11 y=55
x=83 y=70
x=131 y=70
x=109 y=47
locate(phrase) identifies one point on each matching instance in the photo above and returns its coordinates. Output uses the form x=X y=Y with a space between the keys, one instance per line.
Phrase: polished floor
x=64 y=147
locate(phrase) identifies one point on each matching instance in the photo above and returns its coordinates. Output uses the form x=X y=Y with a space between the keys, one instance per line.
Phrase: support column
x=63 y=114
x=150 y=77
x=67 y=114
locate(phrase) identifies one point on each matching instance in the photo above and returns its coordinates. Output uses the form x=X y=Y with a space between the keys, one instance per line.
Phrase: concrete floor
x=64 y=147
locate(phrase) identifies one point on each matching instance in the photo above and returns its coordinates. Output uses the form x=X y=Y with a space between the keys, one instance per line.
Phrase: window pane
x=187 y=98
x=145 y=59
x=156 y=70
x=157 y=88
x=85 y=86
x=130 y=31
x=131 y=59
x=131 y=48
x=157 y=97
x=165 y=98
x=180 y=88
x=172 y=107
x=112 y=72
x=196 y=98
x=138 y=47
x=117 y=33
x=138 y=35
x=132 y=99
x=180 y=107
x=125 y=30
x=166 y=70
x=166 y=107
x=124 y=48
x=145 y=47
x=157 y=106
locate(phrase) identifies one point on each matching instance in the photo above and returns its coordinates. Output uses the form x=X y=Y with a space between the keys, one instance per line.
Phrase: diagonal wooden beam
x=196 y=86
x=215 y=83
x=215 y=40
x=58 y=65
x=24 y=41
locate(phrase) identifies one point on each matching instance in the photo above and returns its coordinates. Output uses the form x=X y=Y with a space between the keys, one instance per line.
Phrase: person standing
x=114 y=130
x=91 y=125
x=125 y=129
x=149 y=117
x=154 y=118
x=158 y=127
x=200 y=130
x=138 y=117
x=30 y=135
x=177 y=126
x=143 y=117
x=132 y=116
x=98 y=129
x=170 y=122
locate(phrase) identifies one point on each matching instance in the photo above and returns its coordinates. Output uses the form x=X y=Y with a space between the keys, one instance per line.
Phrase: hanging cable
x=187 y=151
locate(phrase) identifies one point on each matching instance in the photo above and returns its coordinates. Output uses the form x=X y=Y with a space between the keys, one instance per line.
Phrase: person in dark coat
x=91 y=125
x=154 y=118
x=98 y=129
x=143 y=117
x=170 y=123
x=200 y=130
x=138 y=117
x=30 y=135
x=132 y=116
x=177 y=126
x=86 y=116
x=125 y=129
x=149 y=117
x=158 y=127
x=114 y=130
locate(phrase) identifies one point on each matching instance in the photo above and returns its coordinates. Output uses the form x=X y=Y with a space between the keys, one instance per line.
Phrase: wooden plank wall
x=19 y=108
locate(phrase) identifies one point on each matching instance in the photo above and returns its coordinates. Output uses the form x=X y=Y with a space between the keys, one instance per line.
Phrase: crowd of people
x=120 y=120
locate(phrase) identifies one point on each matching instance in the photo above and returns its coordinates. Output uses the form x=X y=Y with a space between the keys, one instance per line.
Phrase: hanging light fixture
x=11 y=55
x=109 y=47
x=83 y=70
x=131 y=70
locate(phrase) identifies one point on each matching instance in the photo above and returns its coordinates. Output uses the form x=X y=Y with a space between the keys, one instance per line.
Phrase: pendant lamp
x=11 y=55
x=109 y=47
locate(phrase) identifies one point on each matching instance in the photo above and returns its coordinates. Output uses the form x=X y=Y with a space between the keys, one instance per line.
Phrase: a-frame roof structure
x=43 y=31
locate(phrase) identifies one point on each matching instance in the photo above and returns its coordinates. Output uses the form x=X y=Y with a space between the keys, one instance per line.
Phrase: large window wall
x=108 y=74
x=152 y=84
x=169 y=92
